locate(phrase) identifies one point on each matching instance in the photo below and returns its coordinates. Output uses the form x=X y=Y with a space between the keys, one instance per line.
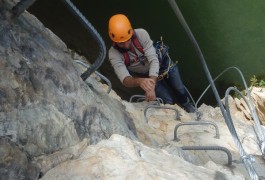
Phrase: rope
x=257 y=127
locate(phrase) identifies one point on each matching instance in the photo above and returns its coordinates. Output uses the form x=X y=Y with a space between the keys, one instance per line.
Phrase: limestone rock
x=46 y=163
x=46 y=110
x=258 y=95
x=122 y=158
x=258 y=99
x=44 y=104
x=14 y=163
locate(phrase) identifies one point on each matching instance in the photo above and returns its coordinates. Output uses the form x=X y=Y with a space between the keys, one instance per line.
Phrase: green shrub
x=254 y=81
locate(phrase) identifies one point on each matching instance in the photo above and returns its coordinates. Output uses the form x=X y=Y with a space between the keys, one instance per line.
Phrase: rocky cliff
x=55 y=126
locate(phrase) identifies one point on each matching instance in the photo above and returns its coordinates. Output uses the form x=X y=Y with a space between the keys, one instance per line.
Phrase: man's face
x=125 y=45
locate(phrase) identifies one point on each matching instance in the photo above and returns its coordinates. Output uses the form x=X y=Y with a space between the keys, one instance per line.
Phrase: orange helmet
x=120 y=29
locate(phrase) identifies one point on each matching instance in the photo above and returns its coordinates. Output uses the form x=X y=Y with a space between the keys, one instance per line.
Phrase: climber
x=143 y=67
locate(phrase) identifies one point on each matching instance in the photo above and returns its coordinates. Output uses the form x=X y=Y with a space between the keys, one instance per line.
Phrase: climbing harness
x=125 y=54
x=247 y=159
x=165 y=62
x=164 y=74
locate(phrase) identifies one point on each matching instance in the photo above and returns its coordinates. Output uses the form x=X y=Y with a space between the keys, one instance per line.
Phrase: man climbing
x=135 y=62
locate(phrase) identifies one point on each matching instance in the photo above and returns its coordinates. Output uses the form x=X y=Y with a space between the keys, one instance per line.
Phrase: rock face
x=45 y=105
x=55 y=126
x=121 y=158
x=258 y=96
x=14 y=163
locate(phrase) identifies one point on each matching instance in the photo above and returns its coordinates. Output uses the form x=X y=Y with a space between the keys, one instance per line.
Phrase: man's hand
x=147 y=84
x=150 y=95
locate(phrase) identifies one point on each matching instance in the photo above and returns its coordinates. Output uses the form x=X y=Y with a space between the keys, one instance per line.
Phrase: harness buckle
x=161 y=76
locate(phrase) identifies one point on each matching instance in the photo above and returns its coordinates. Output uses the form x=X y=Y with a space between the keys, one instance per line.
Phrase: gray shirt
x=150 y=65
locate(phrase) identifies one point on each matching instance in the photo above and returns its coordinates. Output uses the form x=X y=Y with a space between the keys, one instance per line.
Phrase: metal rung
x=161 y=107
x=142 y=97
x=215 y=148
x=196 y=123
x=136 y=96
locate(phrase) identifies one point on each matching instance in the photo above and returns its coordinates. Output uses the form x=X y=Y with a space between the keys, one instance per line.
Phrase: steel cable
x=246 y=159
x=97 y=73
x=257 y=125
x=96 y=36
x=20 y=7
x=25 y=4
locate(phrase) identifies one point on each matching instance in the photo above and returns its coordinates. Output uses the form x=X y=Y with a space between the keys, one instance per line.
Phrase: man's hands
x=150 y=95
x=147 y=84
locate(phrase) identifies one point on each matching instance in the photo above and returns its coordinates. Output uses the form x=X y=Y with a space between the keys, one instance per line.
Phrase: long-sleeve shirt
x=150 y=64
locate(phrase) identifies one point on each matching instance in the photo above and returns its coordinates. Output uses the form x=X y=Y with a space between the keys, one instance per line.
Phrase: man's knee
x=167 y=99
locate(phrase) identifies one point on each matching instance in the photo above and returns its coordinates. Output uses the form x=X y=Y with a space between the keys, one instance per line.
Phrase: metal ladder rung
x=161 y=107
x=215 y=148
x=196 y=123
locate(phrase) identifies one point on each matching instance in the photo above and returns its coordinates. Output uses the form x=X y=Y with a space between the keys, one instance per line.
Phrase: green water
x=229 y=33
